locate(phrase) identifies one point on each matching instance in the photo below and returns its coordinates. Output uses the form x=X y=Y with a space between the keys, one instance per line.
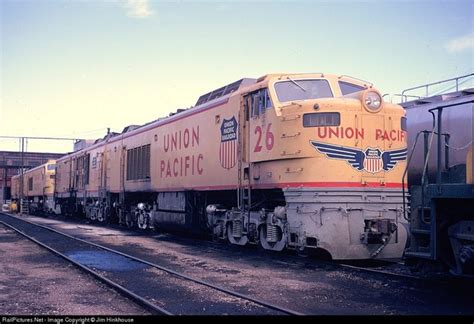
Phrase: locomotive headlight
x=372 y=101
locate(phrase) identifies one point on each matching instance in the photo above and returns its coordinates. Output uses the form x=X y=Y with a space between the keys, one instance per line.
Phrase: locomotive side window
x=79 y=162
x=347 y=87
x=266 y=99
x=86 y=169
x=302 y=90
x=255 y=104
x=247 y=105
x=321 y=119
x=138 y=163
x=260 y=101
x=30 y=184
x=129 y=164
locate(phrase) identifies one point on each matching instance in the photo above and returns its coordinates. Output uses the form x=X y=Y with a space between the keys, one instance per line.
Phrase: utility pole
x=22 y=139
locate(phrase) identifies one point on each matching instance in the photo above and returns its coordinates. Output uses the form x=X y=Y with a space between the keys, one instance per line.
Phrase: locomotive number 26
x=269 y=138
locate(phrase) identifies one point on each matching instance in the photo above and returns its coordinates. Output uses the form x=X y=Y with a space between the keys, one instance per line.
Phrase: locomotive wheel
x=264 y=244
x=107 y=214
x=103 y=215
x=129 y=220
x=221 y=235
x=142 y=221
x=121 y=218
x=229 y=233
x=100 y=216
x=262 y=238
x=234 y=240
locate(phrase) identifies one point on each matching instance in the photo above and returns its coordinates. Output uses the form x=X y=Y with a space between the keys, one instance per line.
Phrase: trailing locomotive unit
x=296 y=161
x=38 y=188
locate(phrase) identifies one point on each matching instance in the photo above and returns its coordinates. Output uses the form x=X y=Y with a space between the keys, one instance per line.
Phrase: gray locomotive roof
x=224 y=91
x=37 y=167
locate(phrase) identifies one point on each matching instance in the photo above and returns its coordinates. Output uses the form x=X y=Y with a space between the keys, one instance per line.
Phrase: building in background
x=10 y=165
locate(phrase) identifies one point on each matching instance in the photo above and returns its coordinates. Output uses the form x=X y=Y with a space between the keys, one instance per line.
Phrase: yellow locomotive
x=299 y=161
x=35 y=188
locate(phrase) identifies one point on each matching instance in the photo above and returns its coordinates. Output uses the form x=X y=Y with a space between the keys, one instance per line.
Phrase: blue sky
x=73 y=68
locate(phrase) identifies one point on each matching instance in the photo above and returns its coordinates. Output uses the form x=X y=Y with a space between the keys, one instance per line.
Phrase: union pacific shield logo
x=372 y=160
x=228 y=147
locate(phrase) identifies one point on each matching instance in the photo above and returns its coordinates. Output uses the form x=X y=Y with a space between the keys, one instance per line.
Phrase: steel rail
x=352 y=267
x=177 y=274
x=124 y=291
x=383 y=272
x=440 y=278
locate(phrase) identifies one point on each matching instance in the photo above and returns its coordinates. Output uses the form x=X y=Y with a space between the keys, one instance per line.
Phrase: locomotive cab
x=336 y=152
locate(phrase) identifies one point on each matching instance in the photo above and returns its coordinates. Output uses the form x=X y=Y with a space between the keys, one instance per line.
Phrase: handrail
x=426 y=86
x=440 y=111
x=404 y=97
x=405 y=174
x=425 y=166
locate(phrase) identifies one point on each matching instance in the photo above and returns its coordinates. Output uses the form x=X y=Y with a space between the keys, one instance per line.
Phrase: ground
x=33 y=281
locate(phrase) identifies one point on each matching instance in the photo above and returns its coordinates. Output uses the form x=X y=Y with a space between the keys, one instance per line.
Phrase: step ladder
x=422 y=217
x=422 y=244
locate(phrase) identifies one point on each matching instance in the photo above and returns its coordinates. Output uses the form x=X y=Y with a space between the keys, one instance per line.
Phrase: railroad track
x=380 y=272
x=342 y=265
x=151 y=285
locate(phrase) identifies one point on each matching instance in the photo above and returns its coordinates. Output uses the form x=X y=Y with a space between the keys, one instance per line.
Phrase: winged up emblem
x=372 y=160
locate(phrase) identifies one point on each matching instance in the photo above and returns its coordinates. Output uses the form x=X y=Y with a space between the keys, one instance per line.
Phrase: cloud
x=138 y=8
x=461 y=43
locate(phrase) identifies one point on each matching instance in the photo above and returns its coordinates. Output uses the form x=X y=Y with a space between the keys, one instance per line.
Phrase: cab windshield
x=302 y=90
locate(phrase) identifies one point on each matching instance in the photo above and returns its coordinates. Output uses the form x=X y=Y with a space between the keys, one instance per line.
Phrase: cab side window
x=260 y=102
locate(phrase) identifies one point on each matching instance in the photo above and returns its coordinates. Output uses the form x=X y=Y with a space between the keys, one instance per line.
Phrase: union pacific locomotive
x=297 y=161
x=36 y=188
